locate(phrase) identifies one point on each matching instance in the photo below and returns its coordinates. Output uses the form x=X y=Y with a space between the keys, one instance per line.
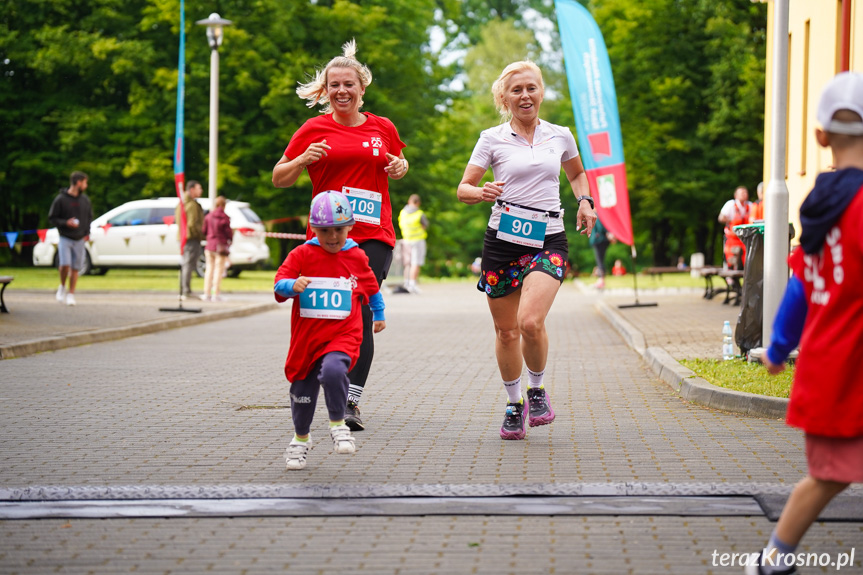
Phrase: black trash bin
x=747 y=334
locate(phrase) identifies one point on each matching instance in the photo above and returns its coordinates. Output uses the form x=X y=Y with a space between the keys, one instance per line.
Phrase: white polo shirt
x=531 y=173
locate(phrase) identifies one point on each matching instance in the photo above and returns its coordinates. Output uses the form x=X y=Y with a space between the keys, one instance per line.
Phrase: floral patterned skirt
x=505 y=264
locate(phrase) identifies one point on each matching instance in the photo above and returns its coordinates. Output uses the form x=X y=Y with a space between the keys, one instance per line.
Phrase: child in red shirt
x=329 y=278
x=821 y=311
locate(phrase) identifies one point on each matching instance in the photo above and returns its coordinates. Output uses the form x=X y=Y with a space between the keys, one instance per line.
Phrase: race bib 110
x=326 y=298
x=365 y=204
x=522 y=227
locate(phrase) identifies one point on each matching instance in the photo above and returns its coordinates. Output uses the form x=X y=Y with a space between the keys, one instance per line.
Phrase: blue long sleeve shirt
x=788 y=325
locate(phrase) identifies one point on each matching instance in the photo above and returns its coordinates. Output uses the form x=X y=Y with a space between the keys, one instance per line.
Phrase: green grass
x=136 y=280
x=743 y=376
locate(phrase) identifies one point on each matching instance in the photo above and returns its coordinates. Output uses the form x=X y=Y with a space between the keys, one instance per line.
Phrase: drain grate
x=385 y=506
x=292 y=500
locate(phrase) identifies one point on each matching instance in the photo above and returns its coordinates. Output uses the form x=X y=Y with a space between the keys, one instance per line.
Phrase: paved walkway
x=38 y=323
x=200 y=412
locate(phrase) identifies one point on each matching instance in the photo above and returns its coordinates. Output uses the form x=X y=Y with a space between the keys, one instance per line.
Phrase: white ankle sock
x=513 y=390
x=534 y=378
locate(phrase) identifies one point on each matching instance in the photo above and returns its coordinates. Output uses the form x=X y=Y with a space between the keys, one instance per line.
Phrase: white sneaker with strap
x=295 y=454
x=343 y=441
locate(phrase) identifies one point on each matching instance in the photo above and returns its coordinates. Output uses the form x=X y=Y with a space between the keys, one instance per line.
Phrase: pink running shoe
x=513 y=422
x=540 y=411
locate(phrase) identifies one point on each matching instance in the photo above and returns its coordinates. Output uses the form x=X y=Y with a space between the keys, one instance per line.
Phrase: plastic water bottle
x=727 y=341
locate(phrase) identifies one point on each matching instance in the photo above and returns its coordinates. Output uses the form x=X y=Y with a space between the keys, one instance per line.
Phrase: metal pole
x=776 y=195
x=214 y=123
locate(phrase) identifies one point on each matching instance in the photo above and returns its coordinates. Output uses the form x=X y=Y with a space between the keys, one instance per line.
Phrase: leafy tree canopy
x=92 y=86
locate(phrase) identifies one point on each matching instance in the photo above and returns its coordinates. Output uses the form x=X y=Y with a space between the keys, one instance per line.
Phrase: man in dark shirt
x=71 y=213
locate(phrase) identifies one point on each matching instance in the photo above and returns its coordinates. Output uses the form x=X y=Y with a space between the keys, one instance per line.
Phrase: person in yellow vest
x=413 y=224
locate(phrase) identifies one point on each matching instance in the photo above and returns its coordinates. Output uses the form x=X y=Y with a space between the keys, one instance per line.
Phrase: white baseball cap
x=843 y=92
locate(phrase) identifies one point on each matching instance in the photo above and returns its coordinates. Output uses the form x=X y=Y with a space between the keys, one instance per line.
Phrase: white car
x=143 y=234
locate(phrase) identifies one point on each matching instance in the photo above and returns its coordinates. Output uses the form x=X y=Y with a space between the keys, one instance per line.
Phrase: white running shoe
x=61 y=294
x=343 y=441
x=295 y=454
x=70 y=299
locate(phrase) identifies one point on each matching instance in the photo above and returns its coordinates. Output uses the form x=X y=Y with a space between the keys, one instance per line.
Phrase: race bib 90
x=326 y=298
x=365 y=204
x=522 y=227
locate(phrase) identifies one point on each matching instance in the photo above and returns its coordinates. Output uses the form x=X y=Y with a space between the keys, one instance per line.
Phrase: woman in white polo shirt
x=525 y=234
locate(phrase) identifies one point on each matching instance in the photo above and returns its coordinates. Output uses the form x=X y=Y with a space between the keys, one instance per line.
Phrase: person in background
x=413 y=224
x=194 y=234
x=599 y=240
x=71 y=213
x=735 y=212
x=525 y=249
x=355 y=152
x=618 y=269
x=217 y=230
x=821 y=311
x=756 y=213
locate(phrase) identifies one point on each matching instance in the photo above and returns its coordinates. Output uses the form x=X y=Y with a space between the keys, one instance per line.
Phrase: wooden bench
x=5 y=280
x=731 y=283
x=659 y=270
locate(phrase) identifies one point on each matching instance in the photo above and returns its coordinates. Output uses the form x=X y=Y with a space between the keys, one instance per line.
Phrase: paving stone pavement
x=38 y=323
x=684 y=324
x=206 y=405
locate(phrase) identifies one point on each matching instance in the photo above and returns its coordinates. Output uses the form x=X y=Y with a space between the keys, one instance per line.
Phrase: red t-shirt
x=357 y=160
x=827 y=395
x=311 y=338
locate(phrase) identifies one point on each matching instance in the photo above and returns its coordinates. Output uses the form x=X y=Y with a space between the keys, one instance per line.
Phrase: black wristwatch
x=588 y=198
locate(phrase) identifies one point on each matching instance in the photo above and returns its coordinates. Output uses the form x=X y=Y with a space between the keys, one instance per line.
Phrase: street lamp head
x=214 y=25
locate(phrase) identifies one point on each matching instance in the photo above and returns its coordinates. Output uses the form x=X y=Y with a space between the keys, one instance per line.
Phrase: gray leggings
x=329 y=372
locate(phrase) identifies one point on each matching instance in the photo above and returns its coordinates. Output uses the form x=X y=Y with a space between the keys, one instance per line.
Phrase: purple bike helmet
x=331 y=209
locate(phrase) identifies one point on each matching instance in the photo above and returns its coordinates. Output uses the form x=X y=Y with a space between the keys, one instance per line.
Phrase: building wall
x=814 y=57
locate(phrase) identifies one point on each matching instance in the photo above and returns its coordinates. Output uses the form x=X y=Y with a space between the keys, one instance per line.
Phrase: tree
x=689 y=78
x=92 y=86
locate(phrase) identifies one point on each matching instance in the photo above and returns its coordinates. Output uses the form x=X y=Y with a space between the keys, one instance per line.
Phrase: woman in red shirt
x=355 y=153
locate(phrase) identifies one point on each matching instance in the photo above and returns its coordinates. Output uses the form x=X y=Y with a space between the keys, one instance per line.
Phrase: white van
x=143 y=234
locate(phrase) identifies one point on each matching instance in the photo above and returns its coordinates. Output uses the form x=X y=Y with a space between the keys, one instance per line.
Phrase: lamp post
x=214 y=25
x=776 y=195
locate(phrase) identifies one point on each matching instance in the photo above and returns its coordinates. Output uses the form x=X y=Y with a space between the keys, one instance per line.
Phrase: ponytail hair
x=315 y=91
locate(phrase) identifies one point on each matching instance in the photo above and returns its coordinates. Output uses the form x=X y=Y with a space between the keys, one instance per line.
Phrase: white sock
x=354 y=393
x=534 y=378
x=513 y=390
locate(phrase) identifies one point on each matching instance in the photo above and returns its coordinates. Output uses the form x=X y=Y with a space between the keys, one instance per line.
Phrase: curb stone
x=25 y=348
x=685 y=382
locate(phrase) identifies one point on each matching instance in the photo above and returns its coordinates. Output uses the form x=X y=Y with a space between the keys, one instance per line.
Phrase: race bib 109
x=522 y=227
x=365 y=204
x=326 y=298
